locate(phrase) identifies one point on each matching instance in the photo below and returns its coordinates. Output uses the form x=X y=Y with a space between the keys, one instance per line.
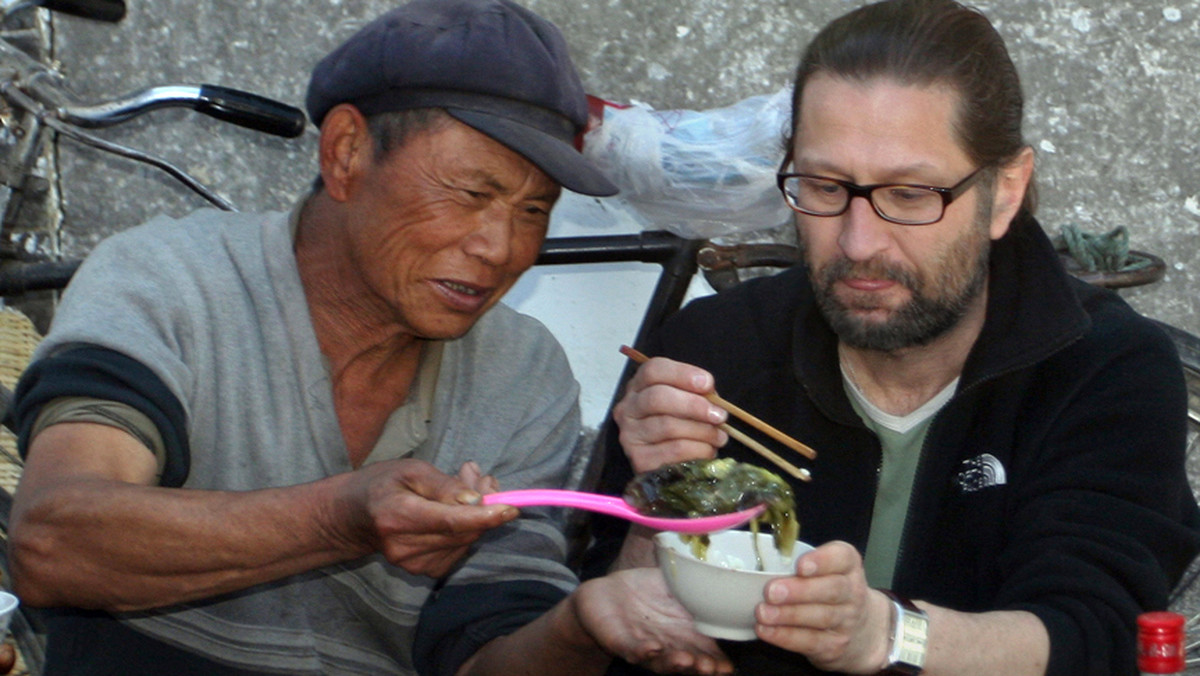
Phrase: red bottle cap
x=1160 y=643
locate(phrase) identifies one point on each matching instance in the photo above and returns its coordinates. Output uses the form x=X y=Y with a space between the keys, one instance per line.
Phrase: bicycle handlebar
x=223 y=103
x=251 y=111
x=719 y=263
x=20 y=75
x=652 y=246
x=111 y=11
x=21 y=277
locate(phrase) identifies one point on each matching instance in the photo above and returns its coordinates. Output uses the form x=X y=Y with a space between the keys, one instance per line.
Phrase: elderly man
x=997 y=440
x=255 y=442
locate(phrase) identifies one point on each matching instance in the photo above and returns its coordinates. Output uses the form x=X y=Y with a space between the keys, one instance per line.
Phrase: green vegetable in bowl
x=718 y=486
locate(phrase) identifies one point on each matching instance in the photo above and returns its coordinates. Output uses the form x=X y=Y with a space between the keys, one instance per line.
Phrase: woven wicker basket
x=18 y=339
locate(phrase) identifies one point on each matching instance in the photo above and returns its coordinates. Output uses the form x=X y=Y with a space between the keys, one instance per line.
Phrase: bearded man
x=996 y=439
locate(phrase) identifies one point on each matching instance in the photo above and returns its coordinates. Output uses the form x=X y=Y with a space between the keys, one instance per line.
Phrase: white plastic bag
x=698 y=174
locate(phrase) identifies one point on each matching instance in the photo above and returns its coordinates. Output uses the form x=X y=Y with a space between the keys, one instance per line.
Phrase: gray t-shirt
x=217 y=312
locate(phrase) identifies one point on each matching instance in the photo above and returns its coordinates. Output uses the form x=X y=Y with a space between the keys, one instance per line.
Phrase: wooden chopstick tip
x=634 y=354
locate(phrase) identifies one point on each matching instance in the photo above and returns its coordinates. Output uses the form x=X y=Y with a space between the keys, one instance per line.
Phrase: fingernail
x=468 y=498
x=716 y=414
x=701 y=382
x=767 y=613
x=776 y=593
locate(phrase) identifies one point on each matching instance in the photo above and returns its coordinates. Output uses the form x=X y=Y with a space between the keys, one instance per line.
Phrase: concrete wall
x=1112 y=90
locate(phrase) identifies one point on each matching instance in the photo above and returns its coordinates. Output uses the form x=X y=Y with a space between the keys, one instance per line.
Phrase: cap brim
x=560 y=160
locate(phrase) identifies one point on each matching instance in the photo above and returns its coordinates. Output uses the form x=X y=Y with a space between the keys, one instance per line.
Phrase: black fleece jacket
x=1079 y=401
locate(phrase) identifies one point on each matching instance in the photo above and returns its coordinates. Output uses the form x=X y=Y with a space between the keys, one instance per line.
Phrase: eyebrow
x=825 y=166
x=552 y=193
x=485 y=177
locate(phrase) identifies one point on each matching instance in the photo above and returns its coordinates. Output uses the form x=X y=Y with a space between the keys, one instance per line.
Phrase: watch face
x=908 y=642
x=912 y=640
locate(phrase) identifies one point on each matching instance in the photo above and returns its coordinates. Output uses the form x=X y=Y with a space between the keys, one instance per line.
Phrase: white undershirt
x=899 y=423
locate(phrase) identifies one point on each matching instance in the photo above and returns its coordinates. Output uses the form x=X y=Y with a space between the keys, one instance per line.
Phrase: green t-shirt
x=901 y=438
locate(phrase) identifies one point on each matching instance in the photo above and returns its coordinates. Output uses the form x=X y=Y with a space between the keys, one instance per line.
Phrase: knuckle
x=682 y=449
x=656 y=398
x=828 y=617
x=621 y=409
x=832 y=645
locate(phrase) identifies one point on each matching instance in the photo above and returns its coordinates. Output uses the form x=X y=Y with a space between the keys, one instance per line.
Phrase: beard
x=938 y=301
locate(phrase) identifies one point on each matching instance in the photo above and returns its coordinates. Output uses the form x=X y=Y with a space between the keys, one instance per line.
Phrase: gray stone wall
x=1113 y=87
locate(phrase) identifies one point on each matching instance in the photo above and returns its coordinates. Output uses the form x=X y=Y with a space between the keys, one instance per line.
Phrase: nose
x=863 y=232
x=491 y=239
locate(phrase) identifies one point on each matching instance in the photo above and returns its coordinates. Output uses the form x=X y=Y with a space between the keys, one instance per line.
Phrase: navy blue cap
x=491 y=64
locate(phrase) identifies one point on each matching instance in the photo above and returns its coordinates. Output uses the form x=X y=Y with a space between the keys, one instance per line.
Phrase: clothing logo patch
x=981 y=472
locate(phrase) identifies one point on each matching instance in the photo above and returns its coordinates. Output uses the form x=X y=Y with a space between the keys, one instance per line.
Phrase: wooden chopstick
x=738 y=412
x=753 y=421
x=798 y=472
x=763 y=427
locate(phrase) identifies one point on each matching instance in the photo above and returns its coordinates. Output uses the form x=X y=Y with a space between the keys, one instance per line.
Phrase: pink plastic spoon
x=615 y=506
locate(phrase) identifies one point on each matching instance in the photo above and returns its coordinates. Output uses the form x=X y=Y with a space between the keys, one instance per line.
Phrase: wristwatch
x=910 y=630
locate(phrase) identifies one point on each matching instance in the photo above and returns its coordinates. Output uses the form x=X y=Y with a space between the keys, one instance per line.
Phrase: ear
x=344 y=150
x=1008 y=192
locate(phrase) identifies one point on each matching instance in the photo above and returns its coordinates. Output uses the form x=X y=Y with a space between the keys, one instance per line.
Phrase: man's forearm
x=998 y=642
x=637 y=550
x=118 y=547
x=555 y=643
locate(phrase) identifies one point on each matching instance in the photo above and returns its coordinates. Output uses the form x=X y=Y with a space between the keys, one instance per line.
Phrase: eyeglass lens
x=823 y=197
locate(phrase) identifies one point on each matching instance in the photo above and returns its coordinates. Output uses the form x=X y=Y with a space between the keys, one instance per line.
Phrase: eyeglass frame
x=853 y=190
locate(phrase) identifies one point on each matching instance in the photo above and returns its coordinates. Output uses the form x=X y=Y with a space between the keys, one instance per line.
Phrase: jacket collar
x=1033 y=311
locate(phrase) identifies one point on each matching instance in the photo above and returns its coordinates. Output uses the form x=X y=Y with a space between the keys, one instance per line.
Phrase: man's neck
x=350 y=321
x=373 y=361
x=900 y=382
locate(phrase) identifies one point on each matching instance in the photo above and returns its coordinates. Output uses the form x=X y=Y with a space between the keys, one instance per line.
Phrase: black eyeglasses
x=901 y=203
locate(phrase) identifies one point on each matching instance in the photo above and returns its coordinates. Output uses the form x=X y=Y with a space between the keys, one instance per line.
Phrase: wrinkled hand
x=827 y=612
x=632 y=615
x=421 y=519
x=471 y=475
x=8 y=658
x=664 y=417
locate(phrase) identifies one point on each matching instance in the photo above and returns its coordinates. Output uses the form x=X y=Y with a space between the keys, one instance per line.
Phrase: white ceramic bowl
x=8 y=606
x=722 y=591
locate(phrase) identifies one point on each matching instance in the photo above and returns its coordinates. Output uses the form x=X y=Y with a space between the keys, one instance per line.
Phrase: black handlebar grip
x=111 y=11
x=251 y=111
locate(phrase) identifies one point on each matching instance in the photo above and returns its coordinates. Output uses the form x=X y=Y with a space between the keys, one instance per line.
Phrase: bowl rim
x=660 y=542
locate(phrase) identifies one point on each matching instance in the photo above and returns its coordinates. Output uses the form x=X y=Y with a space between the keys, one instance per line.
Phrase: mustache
x=844 y=268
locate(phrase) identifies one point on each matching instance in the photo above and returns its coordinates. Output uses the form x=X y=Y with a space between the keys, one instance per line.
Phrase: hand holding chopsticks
x=758 y=424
